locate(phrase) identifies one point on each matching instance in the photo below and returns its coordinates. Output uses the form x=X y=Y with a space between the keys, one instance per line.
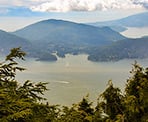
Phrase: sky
x=15 y=14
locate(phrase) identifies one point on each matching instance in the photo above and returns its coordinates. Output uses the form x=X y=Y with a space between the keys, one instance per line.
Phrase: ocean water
x=72 y=78
x=136 y=32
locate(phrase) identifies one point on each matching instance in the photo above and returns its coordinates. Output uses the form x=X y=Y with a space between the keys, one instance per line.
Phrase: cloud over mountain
x=86 y=5
x=144 y=3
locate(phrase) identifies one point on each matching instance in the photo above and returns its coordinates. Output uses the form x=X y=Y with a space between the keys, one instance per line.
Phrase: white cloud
x=86 y=5
x=144 y=3
x=75 y=5
x=10 y=2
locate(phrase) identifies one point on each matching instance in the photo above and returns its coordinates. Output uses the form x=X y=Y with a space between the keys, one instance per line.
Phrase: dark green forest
x=24 y=102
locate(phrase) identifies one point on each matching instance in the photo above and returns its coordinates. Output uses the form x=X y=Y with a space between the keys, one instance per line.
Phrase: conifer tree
x=136 y=95
x=111 y=102
x=16 y=101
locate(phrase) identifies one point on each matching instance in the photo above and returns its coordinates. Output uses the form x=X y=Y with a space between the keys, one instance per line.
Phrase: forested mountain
x=125 y=49
x=68 y=32
x=8 y=41
x=138 y=20
x=64 y=37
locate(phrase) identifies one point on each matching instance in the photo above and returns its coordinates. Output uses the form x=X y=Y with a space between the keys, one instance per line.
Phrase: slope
x=125 y=49
x=68 y=32
x=8 y=41
x=137 y=20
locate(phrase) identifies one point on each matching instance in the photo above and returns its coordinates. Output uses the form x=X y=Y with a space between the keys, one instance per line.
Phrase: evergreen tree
x=86 y=109
x=111 y=102
x=81 y=112
x=22 y=102
x=136 y=95
x=17 y=101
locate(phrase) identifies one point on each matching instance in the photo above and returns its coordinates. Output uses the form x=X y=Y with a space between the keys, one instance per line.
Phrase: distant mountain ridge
x=125 y=49
x=137 y=20
x=40 y=40
x=68 y=32
x=62 y=37
x=8 y=41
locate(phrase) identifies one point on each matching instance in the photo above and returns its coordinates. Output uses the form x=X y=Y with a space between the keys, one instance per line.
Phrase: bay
x=133 y=32
x=72 y=78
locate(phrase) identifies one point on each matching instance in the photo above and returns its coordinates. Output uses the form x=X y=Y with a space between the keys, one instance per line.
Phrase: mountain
x=8 y=41
x=125 y=49
x=137 y=20
x=62 y=37
x=42 y=39
x=68 y=32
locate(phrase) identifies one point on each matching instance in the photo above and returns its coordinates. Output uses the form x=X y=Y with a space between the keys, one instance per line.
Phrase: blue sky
x=15 y=14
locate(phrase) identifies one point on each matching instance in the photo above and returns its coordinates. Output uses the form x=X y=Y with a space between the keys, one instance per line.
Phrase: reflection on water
x=73 y=77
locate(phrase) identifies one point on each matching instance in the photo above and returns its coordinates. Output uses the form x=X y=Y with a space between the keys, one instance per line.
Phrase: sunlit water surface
x=136 y=32
x=73 y=77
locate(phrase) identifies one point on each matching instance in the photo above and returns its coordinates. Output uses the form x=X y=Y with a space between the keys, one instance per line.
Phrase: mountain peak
x=61 y=30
